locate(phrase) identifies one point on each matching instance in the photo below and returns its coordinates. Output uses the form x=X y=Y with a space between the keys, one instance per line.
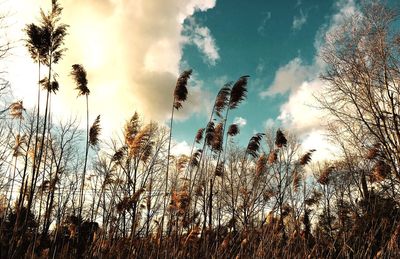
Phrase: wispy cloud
x=262 y=26
x=299 y=21
x=269 y=123
x=201 y=37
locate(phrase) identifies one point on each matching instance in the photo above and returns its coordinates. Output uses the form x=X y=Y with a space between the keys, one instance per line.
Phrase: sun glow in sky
x=134 y=50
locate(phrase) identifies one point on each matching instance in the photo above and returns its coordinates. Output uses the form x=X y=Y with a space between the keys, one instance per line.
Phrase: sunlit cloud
x=132 y=51
x=180 y=148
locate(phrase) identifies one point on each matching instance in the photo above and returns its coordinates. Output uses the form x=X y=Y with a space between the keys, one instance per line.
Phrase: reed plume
x=181 y=92
x=210 y=133
x=16 y=110
x=142 y=140
x=261 y=165
x=220 y=168
x=79 y=75
x=373 y=152
x=272 y=157
x=199 y=135
x=119 y=154
x=183 y=160
x=306 y=158
x=50 y=86
x=132 y=127
x=233 y=130
x=128 y=202
x=324 y=176
x=254 y=145
x=53 y=34
x=94 y=132
x=35 y=42
x=194 y=160
x=280 y=139
x=19 y=141
x=380 y=171
x=222 y=99
x=218 y=137
x=238 y=92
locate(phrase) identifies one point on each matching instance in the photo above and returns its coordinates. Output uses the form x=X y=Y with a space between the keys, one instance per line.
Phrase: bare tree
x=363 y=77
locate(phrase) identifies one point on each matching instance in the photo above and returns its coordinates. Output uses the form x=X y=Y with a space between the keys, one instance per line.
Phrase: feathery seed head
x=280 y=139
x=233 y=130
x=238 y=92
x=79 y=75
x=181 y=92
x=94 y=132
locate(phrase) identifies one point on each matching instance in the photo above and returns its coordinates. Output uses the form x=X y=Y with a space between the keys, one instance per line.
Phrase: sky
x=133 y=51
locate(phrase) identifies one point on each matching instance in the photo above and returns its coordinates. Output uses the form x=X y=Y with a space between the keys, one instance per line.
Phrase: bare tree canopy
x=363 y=79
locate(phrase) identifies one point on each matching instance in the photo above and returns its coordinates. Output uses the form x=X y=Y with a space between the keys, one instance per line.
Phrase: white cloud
x=289 y=77
x=317 y=139
x=299 y=21
x=240 y=121
x=201 y=37
x=132 y=52
x=299 y=112
x=180 y=148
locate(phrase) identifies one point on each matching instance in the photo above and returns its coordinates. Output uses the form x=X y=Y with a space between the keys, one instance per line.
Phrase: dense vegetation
x=130 y=198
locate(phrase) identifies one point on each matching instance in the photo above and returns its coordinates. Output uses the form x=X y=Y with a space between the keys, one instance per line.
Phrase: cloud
x=289 y=77
x=180 y=148
x=201 y=37
x=317 y=139
x=260 y=66
x=240 y=121
x=299 y=21
x=269 y=123
x=262 y=26
x=299 y=112
x=132 y=51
